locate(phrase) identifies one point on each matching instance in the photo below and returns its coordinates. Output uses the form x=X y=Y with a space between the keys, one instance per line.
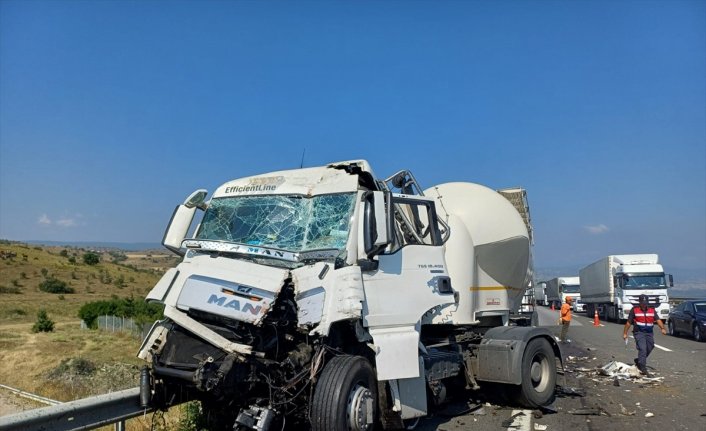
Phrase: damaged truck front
x=319 y=296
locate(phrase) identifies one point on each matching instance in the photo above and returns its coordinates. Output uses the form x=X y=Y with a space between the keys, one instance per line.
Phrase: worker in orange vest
x=565 y=318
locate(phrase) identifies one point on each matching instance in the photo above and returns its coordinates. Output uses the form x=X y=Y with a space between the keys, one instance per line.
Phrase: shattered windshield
x=292 y=223
x=641 y=281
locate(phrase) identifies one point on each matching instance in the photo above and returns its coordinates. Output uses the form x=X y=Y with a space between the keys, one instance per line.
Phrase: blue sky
x=111 y=112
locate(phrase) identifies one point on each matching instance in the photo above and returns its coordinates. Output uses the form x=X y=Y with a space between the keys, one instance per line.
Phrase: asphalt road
x=675 y=400
x=589 y=401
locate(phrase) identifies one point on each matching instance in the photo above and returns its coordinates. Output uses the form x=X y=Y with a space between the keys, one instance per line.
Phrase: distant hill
x=99 y=245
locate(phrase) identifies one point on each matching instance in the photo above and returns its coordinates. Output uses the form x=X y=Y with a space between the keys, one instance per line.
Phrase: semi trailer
x=540 y=295
x=334 y=298
x=613 y=284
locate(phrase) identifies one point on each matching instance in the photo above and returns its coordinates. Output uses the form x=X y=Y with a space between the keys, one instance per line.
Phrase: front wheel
x=345 y=397
x=538 y=375
x=696 y=333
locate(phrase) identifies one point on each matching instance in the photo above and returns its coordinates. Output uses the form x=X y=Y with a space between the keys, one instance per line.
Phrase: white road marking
x=657 y=346
x=521 y=420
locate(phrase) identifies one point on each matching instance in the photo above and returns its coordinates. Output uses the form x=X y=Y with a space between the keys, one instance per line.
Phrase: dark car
x=689 y=317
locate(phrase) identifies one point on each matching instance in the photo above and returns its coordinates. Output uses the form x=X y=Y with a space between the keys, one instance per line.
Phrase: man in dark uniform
x=643 y=316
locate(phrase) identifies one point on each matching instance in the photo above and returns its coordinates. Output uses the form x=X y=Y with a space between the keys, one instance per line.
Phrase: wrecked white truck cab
x=328 y=296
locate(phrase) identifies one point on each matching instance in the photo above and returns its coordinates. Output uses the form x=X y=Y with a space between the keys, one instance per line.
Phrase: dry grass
x=31 y=265
x=44 y=363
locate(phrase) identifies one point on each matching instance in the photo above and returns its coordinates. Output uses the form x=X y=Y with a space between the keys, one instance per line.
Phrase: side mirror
x=197 y=199
x=181 y=220
x=671 y=280
x=377 y=222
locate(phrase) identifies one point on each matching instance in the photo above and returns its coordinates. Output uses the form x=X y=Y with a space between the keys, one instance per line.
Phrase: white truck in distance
x=540 y=294
x=327 y=295
x=560 y=287
x=613 y=284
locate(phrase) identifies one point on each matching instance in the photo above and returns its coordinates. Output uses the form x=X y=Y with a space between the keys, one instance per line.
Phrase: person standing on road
x=565 y=318
x=643 y=317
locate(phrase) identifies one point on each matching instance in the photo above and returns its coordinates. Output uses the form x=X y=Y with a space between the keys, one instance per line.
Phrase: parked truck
x=613 y=284
x=540 y=295
x=331 y=297
x=560 y=287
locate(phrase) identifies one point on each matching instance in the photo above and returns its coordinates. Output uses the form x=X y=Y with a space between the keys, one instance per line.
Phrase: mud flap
x=501 y=351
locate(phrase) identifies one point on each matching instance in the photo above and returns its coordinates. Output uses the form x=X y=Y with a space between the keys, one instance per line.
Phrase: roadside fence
x=121 y=324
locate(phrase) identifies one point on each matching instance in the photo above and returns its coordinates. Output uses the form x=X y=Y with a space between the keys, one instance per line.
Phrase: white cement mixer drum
x=488 y=252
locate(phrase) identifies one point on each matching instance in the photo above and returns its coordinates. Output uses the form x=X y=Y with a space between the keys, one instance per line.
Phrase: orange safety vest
x=566 y=312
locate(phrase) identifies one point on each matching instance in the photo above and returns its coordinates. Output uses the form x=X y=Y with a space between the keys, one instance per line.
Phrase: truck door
x=411 y=280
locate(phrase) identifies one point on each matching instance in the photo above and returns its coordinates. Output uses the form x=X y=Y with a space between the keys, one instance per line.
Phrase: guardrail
x=29 y=396
x=84 y=414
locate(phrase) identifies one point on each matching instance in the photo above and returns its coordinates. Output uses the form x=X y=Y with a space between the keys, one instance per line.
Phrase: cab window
x=414 y=223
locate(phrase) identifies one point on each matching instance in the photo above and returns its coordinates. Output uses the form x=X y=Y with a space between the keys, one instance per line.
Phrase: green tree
x=43 y=323
x=91 y=258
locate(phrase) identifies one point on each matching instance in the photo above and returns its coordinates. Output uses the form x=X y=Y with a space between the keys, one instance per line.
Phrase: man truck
x=613 y=284
x=332 y=297
x=559 y=288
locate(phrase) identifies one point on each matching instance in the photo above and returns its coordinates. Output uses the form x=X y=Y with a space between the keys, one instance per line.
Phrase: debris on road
x=588 y=411
x=548 y=409
x=649 y=415
x=626 y=412
x=619 y=369
x=539 y=427
x=569 y=391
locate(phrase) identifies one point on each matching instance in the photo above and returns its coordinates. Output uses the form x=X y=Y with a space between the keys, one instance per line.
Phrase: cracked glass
x=292 y=223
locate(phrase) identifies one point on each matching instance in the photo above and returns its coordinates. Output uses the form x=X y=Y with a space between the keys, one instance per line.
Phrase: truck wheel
x=345 y=397
x=538 y=375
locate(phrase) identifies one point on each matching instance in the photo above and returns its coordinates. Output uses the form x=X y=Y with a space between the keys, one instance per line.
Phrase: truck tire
x=345 y=397
x=538 y=375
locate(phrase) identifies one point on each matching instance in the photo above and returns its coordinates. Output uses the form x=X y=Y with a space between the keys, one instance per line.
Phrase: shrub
x=73 y=367
x=5 y=289
x=43 y=323
x=105 y=277
x=91 y=258
x=193 y=418
x=54 y=285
